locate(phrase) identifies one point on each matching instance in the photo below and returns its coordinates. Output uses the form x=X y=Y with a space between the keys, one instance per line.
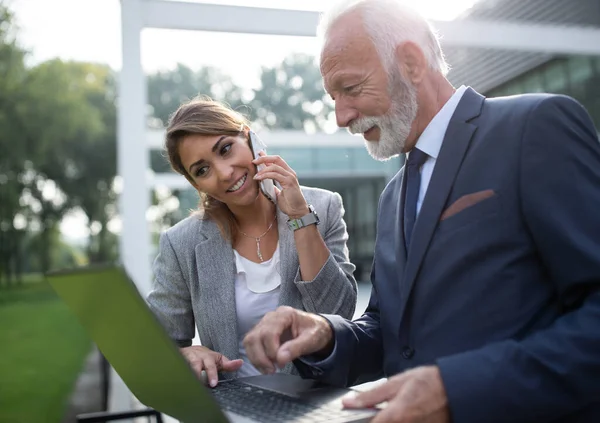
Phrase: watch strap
x=308 y=219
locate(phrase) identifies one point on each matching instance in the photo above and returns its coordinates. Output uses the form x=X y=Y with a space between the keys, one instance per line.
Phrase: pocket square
x=466 y=201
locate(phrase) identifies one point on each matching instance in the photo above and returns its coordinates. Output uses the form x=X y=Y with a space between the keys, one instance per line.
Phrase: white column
x=133 y=155
x=132 y=166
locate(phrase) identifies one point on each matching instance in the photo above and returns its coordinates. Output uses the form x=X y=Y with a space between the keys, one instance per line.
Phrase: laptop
x=114 y=314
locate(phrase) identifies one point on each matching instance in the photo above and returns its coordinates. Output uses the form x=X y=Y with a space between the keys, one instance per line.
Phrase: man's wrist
x=329 y=334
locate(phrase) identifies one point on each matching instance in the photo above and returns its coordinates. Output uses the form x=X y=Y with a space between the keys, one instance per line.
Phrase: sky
x=90 y=30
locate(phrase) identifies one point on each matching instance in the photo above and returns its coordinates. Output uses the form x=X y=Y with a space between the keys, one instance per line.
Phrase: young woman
x=240 y=256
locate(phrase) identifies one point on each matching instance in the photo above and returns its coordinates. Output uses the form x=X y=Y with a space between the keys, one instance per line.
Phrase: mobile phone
x=267 y=186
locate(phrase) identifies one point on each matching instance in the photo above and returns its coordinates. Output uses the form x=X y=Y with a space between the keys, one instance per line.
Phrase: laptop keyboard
x=269 y=406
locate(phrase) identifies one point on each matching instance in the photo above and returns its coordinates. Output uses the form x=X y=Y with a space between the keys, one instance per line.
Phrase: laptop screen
x=111 y=310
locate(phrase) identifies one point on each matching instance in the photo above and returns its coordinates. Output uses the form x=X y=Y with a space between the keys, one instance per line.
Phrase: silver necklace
x=257 y=239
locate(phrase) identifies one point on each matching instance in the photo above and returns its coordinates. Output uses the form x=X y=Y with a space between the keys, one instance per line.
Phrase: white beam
x=539 y=38
x=226 y=18
x=545 y=38
x=132 y=157
x=155 y=139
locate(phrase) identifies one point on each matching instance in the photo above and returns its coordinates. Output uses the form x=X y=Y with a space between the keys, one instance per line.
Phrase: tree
x=57 y=153
x=167 y=90
x=13 y=98
x=70 y=122
x=291 y=96
x=92 y=159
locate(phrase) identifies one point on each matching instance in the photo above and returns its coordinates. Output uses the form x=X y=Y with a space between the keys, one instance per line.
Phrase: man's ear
x=411 y=61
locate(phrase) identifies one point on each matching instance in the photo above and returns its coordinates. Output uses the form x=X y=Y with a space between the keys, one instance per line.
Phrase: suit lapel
x=454 y=147
x=216 y=273
x=288 y=267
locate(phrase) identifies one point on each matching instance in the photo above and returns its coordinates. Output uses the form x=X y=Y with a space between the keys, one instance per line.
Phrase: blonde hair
x=204 y=116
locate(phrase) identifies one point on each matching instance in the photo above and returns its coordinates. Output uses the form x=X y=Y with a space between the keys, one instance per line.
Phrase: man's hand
x=284 y=335
x=202 y=358
x=416 y=396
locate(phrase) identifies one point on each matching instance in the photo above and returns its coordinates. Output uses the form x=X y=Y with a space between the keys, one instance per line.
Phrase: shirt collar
x=430 y=141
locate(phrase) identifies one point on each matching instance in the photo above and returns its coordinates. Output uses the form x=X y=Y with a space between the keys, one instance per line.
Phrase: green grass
x=42 y=350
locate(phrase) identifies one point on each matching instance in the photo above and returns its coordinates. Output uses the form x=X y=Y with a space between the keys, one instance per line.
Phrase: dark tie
x=415 y=160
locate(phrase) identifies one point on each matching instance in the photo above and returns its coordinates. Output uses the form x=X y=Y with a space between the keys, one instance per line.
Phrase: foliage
x=291 y=96
x=13 y=99
x=57 y=155
x=168 y=89
x=58 y=143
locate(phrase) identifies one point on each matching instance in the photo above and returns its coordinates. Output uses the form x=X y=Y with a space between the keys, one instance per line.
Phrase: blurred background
x=61 y=185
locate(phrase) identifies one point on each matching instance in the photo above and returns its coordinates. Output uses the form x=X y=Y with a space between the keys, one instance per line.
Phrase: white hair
x=389 y=23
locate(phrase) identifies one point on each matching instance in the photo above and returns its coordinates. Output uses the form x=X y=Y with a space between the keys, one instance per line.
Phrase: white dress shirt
x=430 y=141
x=257 y=289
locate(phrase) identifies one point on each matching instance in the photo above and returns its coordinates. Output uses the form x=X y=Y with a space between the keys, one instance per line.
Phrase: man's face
x=367 y=100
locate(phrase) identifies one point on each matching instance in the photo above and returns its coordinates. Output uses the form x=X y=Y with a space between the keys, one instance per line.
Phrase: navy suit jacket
x=501 y=284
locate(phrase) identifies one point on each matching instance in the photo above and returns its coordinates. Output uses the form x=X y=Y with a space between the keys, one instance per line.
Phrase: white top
x=257 y=287
x=430 y=141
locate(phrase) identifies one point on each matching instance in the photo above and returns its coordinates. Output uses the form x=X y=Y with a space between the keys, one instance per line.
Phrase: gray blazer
x=194 y=277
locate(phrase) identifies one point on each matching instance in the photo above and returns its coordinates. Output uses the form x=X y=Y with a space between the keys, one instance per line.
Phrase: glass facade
x=334 y=161
x=360 y=195
x=575 y=76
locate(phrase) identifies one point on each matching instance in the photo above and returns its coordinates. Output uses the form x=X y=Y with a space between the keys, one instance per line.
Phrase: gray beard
x=395 y=125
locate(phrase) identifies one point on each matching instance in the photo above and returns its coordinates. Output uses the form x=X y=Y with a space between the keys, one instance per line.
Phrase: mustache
x=362 y=125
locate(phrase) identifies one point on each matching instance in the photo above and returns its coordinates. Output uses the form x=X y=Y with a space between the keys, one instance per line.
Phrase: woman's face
x=221 y=166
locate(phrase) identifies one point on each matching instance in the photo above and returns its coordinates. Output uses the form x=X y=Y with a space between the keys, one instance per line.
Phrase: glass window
x=159 y=162
x=299 y=159
x=580 y=69
x=556 y=78
x=363 y=162
x=496 y=93
x=514 y=87
x=188 y=200
x=596 y=61
x=333 y=159
x=533 y=83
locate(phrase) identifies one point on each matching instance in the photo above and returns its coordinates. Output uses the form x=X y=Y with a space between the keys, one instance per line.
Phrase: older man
x=486 y=278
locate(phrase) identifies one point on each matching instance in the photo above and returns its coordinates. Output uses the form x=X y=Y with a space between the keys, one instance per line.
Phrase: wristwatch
x=312 y=218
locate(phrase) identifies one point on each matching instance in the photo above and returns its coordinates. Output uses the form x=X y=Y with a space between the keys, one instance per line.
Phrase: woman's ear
x=246 y=130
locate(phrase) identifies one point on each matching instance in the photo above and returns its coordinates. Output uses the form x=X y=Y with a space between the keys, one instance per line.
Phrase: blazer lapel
x=288 y=267
x=288 y=263
x=216 y=274
x=456 y=142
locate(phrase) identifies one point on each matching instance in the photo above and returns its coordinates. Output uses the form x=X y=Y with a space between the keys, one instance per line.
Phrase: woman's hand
x=289 y=199
x=202 y=358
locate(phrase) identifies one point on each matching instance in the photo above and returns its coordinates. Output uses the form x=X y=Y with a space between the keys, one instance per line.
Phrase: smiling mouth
x=238 y=184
